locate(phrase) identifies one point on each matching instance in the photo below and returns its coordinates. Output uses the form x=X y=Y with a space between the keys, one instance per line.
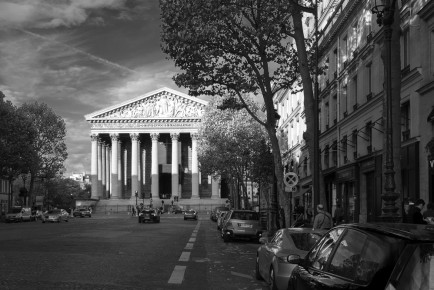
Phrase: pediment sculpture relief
x=168 y=106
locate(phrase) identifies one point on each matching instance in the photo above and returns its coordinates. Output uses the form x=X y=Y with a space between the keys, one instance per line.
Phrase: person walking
x=428 y=215
x=414 y=213
x=323 y=219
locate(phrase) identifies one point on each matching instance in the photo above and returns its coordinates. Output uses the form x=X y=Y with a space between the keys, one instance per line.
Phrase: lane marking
x=185 y=256
x=177 y=275
x=192 y=240
x=194 y=234
x=189 y=246
x=241 y=275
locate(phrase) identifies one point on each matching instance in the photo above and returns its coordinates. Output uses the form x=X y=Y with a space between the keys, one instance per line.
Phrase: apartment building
x=351 y=109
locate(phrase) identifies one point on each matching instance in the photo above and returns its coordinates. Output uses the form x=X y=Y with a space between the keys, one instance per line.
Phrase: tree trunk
x=309 y=99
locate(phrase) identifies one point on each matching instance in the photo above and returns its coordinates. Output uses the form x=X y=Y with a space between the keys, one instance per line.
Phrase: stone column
x=215 y=182
x=154 y=166
x=119 y=177
x=194 y=168
x=94 y=166
x=134 y=165
x=99 y=166
x=107 y=171
x=175 y=173
x=139 y=173
x=114 y=187
x=103 y=170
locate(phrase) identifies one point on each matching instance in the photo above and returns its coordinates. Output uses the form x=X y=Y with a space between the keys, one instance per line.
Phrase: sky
x=80 y=56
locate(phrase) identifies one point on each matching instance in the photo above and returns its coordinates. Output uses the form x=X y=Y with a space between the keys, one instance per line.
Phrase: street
x=116 y=252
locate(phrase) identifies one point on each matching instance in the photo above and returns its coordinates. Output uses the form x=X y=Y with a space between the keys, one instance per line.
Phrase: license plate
x=245 y=226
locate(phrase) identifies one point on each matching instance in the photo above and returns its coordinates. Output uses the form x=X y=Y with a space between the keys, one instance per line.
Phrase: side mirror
x=263 y=240
x=294 y=259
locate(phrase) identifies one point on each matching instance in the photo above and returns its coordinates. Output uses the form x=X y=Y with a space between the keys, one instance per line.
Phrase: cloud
x=54 y=13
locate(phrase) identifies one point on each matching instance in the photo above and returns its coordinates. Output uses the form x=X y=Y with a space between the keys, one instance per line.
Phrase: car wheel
x=257 y=274
x=185 y=219
x=43 y=222
x=272 y=280
x=226 y=238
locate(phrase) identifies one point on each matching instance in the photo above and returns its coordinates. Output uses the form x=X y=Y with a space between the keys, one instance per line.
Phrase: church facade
x=146 y=149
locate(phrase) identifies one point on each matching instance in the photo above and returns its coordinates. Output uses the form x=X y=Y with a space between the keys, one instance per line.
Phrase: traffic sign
x=290 y=188
x=290 y=179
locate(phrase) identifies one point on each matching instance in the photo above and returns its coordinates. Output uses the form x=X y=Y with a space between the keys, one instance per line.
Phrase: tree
x=16 y=138
x=241 y=47
x=232 y=145
x=62 y=192
x=49 y=143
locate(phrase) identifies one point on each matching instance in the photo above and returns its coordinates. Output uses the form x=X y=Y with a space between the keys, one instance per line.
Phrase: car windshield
x=418 y=272
x=82 y=209
x=54 y=211
x=246 y=216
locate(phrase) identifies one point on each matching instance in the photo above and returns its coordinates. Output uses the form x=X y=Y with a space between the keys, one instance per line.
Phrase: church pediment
x=161 y=104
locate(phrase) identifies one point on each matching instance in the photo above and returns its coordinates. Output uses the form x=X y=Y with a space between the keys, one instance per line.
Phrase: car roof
x=413 y=232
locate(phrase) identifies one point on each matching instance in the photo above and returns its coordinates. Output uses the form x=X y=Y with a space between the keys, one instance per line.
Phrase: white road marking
x=192 y=240
x=177 y=275
x=194 y=234
x=185 y=256
x=241 y=275
x=189 y=246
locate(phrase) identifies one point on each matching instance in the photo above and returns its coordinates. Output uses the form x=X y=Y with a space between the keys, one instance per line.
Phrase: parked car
x=271 y=263
x=149 y=214
x=215 y=212
x=55 y=215
x=14 y=215
x=190 y=214
x=27 y=214
x=220 y=219
x=177 y=209
x=241 y=224
x=82 y=212
x=368 y=256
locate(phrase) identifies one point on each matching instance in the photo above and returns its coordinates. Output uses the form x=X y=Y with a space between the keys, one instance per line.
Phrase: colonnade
x=106 y=167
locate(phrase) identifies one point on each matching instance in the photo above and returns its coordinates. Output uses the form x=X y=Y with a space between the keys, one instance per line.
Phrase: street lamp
x=385 y=16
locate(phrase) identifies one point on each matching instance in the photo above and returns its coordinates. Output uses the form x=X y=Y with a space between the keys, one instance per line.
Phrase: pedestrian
x=323 y=219
x=408 y=205
x=414 y=212
x=338 y=215
x=428 y=215
x=133 y=211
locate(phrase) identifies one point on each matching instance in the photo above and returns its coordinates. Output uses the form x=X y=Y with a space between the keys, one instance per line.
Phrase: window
x=368 y=133
x=320 y=254
x=304 y=241
x=326 y=156
x=369 y=77
x=354 y=141
x=347 y=258
x=344 y=148
x=405 y=121
x=277 y=239
x=405 y=48
x=355 y=92
x=335 y=153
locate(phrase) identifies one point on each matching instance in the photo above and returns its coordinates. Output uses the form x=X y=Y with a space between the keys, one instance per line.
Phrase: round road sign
x=290 y=179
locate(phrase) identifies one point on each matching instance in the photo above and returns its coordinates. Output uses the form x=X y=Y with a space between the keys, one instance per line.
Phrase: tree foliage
x=16 y=138
x=239 y=47
x=233 y=145
x=49 y=143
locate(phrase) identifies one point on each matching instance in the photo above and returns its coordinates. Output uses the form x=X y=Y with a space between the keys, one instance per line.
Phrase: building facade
x=146 y=149
x=351 y=108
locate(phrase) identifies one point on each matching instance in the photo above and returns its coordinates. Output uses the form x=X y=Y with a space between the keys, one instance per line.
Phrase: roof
x=413 y=232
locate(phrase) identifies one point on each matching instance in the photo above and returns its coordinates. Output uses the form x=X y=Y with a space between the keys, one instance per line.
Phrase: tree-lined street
x=116 y=252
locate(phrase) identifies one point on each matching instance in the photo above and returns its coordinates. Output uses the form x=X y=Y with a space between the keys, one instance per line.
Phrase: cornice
x=429 y=87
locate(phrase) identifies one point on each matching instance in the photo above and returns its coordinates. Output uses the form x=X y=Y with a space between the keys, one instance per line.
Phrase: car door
x=267 y=255
x=311 y=274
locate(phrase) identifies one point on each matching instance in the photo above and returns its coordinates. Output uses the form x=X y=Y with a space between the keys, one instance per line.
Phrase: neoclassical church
x=147 y=147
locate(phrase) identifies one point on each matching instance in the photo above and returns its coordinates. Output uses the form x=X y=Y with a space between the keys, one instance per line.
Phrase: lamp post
x=385 y=16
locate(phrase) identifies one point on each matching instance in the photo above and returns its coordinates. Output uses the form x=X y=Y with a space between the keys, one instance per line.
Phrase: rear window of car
x=246 y=216
x=304 y=241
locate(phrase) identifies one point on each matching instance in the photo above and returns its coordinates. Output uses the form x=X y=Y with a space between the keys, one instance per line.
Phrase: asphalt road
x=116 y=252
